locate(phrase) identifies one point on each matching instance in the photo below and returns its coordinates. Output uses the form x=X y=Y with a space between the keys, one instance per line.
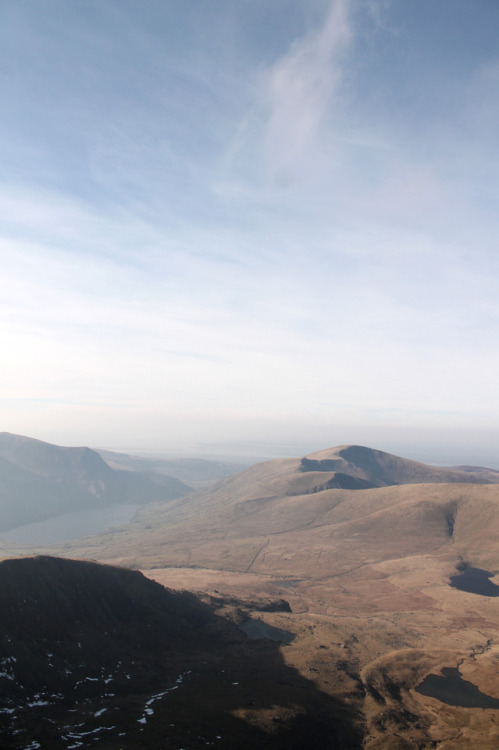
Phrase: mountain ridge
x=40 y=480
x=384 y=469
x=275 y=516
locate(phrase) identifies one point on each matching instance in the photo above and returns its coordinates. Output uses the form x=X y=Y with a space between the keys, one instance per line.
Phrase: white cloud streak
x=298 y=91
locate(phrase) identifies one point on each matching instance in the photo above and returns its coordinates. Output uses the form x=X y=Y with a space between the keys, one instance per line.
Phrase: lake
x=449 y=687
x=69 y=526
x=256 y=629
x=475 y=581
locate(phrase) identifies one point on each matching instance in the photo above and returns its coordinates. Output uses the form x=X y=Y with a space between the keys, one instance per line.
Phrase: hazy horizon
x=444 y=449
x=256 y=226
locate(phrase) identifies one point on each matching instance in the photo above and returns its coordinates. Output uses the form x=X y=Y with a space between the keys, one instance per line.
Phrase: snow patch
x=147 y=708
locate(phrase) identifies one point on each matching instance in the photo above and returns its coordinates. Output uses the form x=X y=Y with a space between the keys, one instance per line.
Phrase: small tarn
x=449 y=687
x=475 y=581
x=256 y=629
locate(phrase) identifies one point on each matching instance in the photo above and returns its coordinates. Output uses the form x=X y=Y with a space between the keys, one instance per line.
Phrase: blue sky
x=250 y=223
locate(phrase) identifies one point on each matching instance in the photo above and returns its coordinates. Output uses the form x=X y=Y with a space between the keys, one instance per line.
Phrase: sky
x=252 y=226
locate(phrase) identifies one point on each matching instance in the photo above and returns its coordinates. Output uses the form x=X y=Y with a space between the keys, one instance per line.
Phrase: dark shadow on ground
x=101 y=657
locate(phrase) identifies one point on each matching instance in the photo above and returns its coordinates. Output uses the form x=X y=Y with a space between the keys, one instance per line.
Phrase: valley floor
x=369 y=636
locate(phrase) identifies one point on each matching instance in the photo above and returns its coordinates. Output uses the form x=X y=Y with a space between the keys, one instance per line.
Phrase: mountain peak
x=380 y=468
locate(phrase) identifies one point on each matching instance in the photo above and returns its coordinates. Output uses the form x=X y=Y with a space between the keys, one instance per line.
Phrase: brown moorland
x=362 y=545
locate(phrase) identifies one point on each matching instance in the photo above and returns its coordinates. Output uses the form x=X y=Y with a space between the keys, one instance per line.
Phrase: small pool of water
x=475 y=581
x=449 y=687
x=288 y=582
x=256 y=629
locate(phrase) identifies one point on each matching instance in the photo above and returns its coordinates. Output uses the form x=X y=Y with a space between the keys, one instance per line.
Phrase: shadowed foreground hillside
x=96 y=656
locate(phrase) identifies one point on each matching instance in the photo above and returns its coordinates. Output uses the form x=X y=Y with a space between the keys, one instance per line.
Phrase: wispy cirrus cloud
x=298 y=91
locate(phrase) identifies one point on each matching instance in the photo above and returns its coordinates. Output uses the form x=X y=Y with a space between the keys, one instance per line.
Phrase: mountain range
x=366 y=548
x=312 y=514
x=39 y=480
x=374 y=574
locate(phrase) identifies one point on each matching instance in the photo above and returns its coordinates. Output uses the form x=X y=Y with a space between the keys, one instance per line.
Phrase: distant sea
x=438 y=453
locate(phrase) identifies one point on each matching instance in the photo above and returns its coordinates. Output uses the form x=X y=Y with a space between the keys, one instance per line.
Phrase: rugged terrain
x=367 y=549
x=96 y=656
